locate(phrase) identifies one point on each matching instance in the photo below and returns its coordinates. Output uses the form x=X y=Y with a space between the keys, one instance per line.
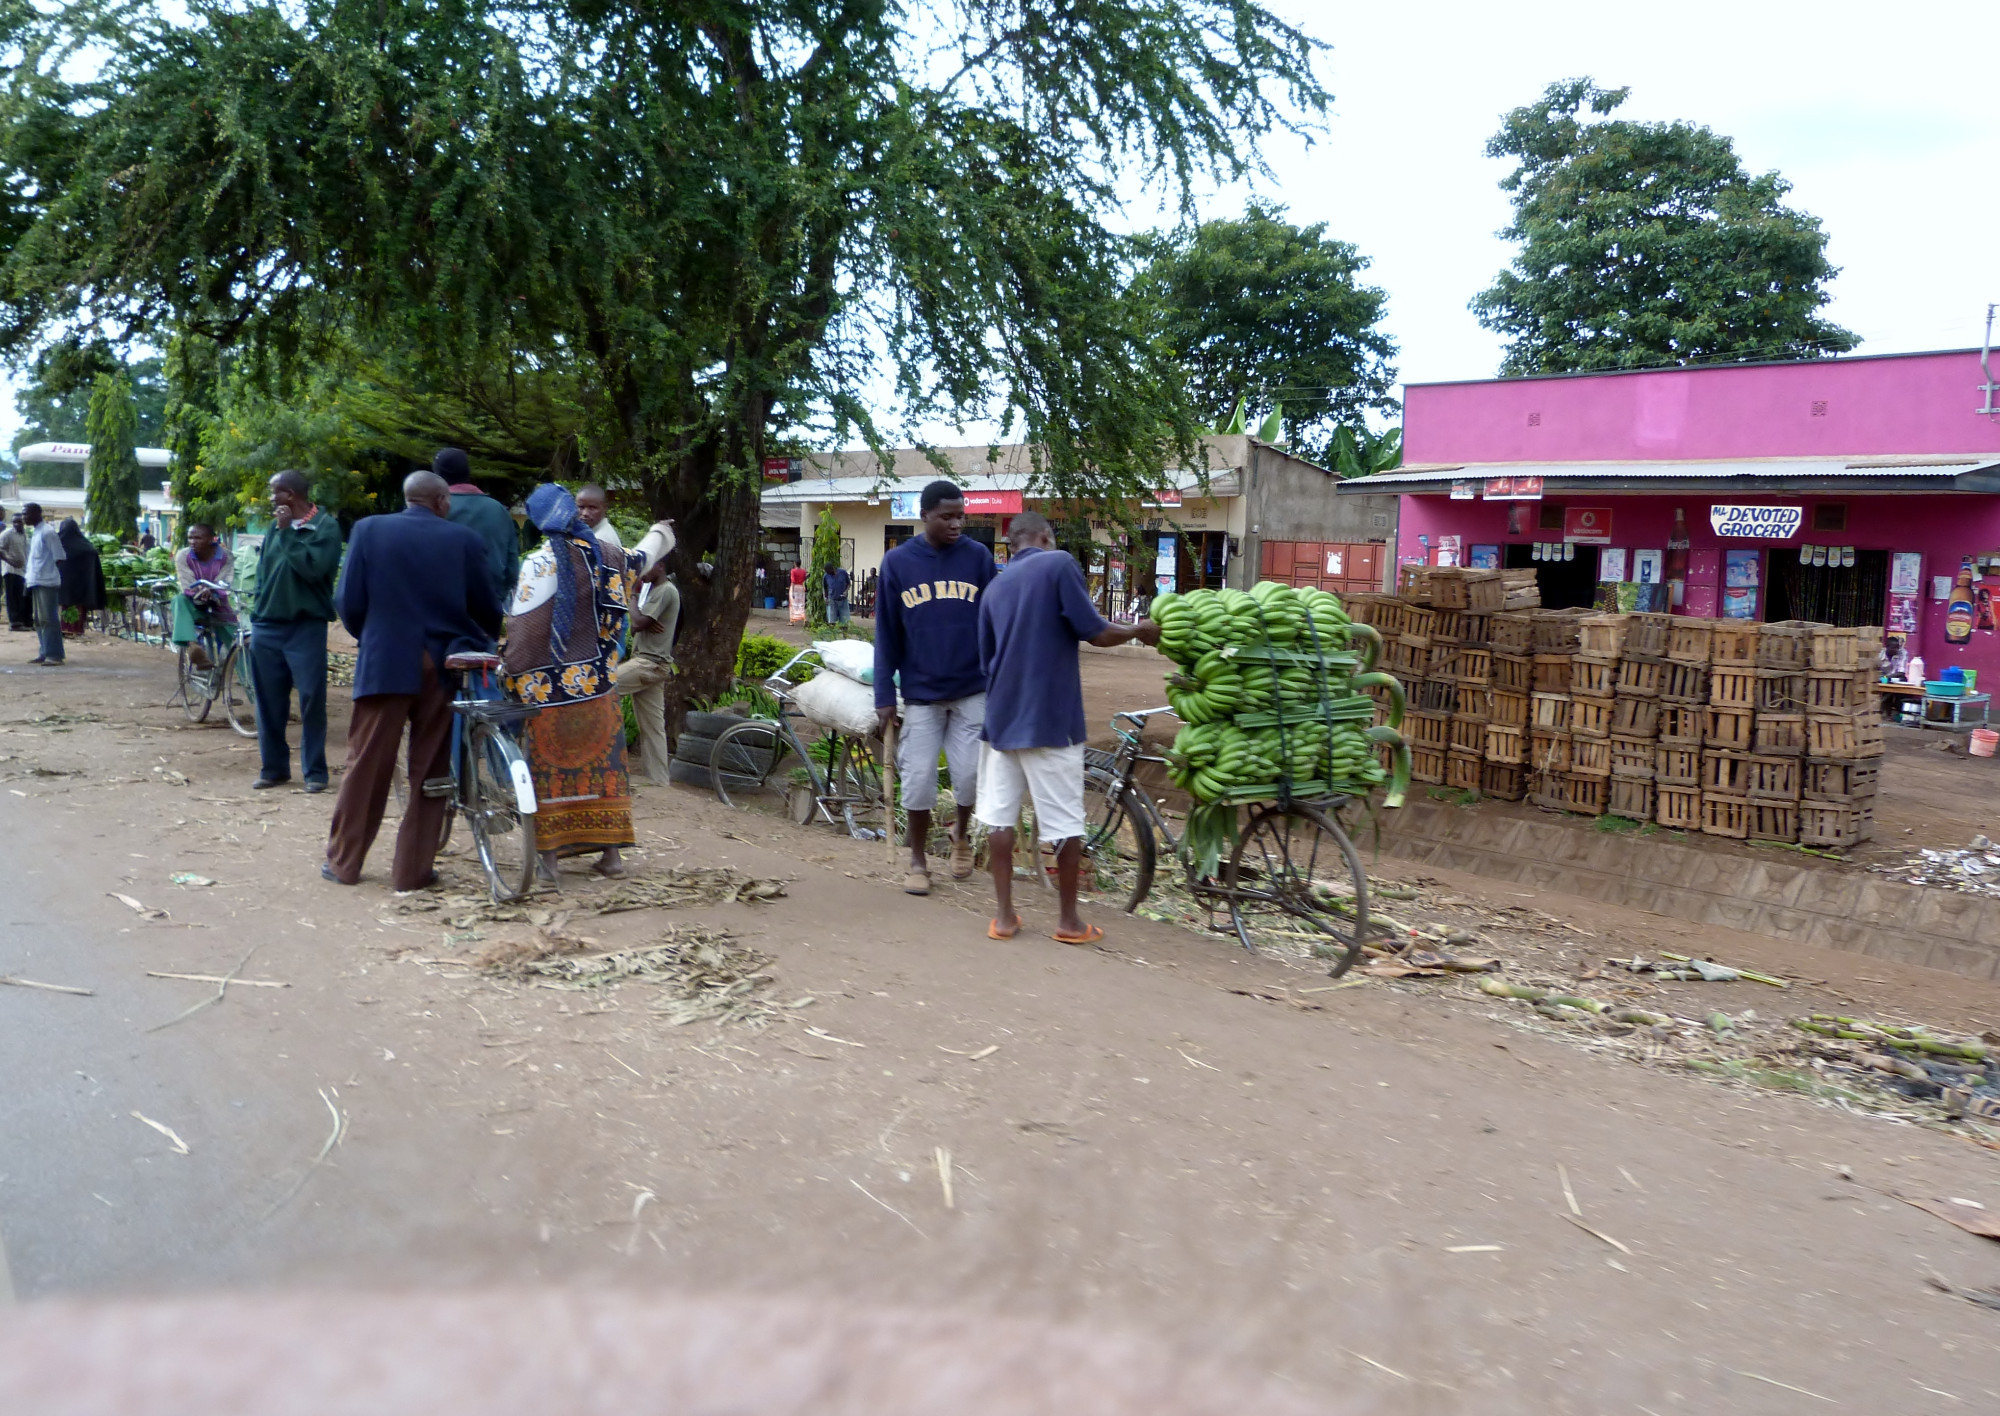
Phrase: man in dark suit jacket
x=415 y=589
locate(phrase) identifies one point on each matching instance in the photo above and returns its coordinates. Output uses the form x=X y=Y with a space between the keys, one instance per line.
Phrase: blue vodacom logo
x=1756 y=523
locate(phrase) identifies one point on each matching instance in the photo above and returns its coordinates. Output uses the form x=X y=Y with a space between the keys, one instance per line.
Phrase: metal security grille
x=1845 y=597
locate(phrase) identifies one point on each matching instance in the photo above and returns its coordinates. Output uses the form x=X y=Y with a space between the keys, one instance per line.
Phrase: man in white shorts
x=1031 y=619
x=927 y=640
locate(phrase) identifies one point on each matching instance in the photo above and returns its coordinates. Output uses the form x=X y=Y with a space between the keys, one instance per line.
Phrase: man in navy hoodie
x=927 y=635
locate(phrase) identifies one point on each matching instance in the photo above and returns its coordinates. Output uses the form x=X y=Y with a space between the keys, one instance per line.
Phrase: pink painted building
x=1850 y=491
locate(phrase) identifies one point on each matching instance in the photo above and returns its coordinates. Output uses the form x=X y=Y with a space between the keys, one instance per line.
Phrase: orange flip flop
x=1092 y=933
x=993 y=930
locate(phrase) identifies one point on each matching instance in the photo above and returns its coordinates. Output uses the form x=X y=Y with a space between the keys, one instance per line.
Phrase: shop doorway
x=1844 y=597
x=1565 y=584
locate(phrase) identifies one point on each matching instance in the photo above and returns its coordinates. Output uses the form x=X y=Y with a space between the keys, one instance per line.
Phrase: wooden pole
x=889 y=790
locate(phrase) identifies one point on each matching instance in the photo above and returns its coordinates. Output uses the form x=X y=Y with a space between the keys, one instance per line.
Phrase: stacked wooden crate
x=1842 y=757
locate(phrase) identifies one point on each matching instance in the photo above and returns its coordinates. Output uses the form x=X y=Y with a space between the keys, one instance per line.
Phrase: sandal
x=917 y=882
x=994 y=931
x=1092 y=933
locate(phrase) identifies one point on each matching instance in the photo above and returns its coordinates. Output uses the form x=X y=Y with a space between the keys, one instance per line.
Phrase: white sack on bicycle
x=850 y=658
x=836 y=702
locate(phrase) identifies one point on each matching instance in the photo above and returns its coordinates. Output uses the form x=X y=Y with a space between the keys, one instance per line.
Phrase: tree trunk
x=714 y=610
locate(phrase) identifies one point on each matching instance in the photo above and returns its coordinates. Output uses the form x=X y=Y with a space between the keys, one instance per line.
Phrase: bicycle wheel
x=745 y=759
x=193 y=687
x=855 y=775
x=1118 y=841
x=1297 y=867
x=502 y=833
x=239 y=696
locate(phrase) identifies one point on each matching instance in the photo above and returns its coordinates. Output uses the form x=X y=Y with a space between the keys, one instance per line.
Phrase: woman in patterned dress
x=568 y=613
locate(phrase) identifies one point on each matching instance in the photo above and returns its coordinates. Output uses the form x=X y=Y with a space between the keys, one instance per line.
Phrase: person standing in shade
x=839 y=582
x=416 y=589
x=14 y=570
x=485 y=517
x=1030 y=622
x=643 y=677
x=82 y=578
x=289 y=613
x=593 y=504
x=44 y=577
x=927 y=641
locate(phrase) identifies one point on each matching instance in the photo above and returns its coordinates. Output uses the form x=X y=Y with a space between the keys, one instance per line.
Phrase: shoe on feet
x=263 y=784
x=314 y=788
x=917 y=882
x=961 y=858
x=326 y=873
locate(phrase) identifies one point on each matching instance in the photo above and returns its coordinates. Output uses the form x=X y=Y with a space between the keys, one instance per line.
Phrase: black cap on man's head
x=452 y=464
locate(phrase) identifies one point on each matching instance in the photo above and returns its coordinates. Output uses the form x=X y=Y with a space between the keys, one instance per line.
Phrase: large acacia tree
x=1646 y=244
x=731 y=224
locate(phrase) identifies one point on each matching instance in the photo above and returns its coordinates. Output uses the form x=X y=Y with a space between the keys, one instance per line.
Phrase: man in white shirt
x=45 y=554
x=13 y=565
x=591 y=504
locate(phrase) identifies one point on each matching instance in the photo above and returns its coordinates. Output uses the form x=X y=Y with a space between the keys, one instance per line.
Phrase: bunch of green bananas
x=1351 y=756
x=1191 y=625
x=1299 y=747
x=1211 y=689
x=1208 y=760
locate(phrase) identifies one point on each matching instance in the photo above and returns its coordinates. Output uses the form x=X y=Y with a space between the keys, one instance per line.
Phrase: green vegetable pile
x=123 y=569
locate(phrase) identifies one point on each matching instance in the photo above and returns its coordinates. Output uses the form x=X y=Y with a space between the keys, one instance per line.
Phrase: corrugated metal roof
x=1790 y=471
x=861 y=489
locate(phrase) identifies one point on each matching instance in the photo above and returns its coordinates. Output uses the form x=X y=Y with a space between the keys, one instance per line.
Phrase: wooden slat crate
x=1677 y=766
x=1478 y=630
x=1505 y=742
x=1468 y=735
x=1419 y=622
x=1633 y=757
x=1780 y=735
x=1551 y=710
x=1732 y=642
x=1773 y=821
x=1524 y=591
x=1684 y=683
x=1432 y=695
x=1514 y=672
x=1677 y=808
x=1638 y=717
x=1683 y=726
x=1590 y=717
x=1441 y=661
x=1688 y=640
x=1426 y=763
x=1549 y=789
x=1641 y=678
x=1552 y=672
x=1647 y=635
x=1725 y=816
x=1430 y=729
x=1405 y=658
x=1850 y=735
x=1727 y=727
x=1459 y=588
x=1389 y=616
x=1785 y=644
x=1461 y=770
x=1485 y=591
x=1780 y=691
x=1514 y=633
x=1549 y=749
x=1556 y=631
x=1413 y=584
x=1475 y=665
x=1511 y=708
x=1836 y=825
x=1590 y=757
x=1732 y=686
x=1725 y=773
x=1365 y=607
x=1473 y=701
x=1449 y=625
x=1585 y=794
x=1840 y=650
x=1503 y=780
x=1771 y=778
x=1592 y=677
x=1631 y=799
x=1601 y=636
x=1839 y=692
x=1840 y=780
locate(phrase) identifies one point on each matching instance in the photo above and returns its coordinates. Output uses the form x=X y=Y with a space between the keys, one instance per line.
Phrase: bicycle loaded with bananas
x=1270 y=692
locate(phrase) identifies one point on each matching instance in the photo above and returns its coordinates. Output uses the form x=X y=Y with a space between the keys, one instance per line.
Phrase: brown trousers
x=373 y=736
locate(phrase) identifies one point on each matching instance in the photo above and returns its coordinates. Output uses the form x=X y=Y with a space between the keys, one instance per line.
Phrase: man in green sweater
x=486 y=517
x=296 y=571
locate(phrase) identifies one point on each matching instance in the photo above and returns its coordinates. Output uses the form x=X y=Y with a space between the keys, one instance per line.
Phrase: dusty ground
x=1357 y=1189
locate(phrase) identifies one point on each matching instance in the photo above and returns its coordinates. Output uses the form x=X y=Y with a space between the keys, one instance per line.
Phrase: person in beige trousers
x=643 y=677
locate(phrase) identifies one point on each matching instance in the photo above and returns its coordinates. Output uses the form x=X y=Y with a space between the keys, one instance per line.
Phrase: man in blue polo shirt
x=1030 y=621
x=927 y=632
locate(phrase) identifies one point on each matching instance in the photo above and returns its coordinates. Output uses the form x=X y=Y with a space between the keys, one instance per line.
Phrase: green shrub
x=761 y=655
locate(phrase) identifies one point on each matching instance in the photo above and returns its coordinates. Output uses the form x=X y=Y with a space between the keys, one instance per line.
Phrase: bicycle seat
x=462 y=663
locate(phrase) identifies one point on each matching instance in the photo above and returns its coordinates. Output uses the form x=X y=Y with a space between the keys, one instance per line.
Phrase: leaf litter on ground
x=707 y=974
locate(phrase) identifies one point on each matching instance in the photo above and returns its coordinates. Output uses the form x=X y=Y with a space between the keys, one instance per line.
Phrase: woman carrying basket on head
x=567 y=615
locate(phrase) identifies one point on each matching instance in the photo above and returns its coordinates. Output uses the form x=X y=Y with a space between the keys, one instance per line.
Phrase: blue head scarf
x=553 y=509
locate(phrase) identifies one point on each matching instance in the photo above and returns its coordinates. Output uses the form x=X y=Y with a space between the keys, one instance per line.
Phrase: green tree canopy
x=1262 y=310
x=111 y=492
x=1646 y=244
x=723 y=222
x=53 y=403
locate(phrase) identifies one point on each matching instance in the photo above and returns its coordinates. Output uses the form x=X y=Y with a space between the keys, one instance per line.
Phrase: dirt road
x=1358 y=1190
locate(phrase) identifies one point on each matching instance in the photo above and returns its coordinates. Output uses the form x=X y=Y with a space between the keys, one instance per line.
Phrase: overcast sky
x=1884 y=120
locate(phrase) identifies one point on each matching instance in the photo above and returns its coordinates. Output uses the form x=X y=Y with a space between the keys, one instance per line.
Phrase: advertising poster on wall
x=1484 y=558
x=1902 y=617
x=1906 y=573
x=1610 y=565
x=1587 y=525
x=1739 y=572
x=1449 y=549
x=1648 y=567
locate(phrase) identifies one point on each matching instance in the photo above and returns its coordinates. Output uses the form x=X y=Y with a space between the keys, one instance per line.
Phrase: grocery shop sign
x=1755 y=523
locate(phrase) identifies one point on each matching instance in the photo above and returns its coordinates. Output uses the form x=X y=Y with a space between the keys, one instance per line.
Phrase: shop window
x=1830 y=516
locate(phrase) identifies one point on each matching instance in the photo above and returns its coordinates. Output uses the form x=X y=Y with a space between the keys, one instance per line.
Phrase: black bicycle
x=490 y=784
x=226 y=675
